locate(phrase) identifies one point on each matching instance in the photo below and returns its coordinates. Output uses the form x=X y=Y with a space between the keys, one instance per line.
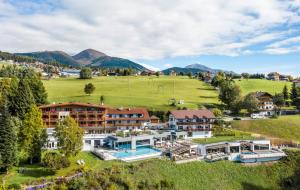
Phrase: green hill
x=253 y=85
x=53 y=56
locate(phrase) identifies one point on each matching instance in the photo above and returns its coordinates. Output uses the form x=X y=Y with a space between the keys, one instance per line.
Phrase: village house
x=273 y=76
x=172 y=73
x=266 y=106
x=198 y=123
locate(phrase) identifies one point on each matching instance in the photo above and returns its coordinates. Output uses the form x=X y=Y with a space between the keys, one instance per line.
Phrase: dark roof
x=130 y=111
x=260 y=94
x=181 y=114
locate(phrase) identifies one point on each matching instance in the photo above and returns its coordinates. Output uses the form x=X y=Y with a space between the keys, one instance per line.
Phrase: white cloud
x=145 y=29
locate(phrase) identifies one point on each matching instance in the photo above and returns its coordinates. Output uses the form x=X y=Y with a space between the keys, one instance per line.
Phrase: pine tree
x=21 y=100
x=294 y=92
x=285 y=93
x=8 y=136
x=32 y=135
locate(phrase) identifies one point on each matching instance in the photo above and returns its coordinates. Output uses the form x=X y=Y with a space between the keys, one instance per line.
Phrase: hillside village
x=131 y=134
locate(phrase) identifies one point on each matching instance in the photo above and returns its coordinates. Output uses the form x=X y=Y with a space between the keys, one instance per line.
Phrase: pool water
x=138 y=152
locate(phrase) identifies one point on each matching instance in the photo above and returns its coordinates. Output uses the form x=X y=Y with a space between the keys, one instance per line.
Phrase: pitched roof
x=130 y=111
x=192 y=114
x=260 y=94
x=72 y=104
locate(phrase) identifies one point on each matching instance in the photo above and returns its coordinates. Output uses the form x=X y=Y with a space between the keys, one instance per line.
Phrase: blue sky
x=242 y=36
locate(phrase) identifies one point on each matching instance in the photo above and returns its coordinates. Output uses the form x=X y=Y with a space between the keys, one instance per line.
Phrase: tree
x=230 y=95
x=20 y=100
x=85 y=73
x=32 y=135
x=217 y=112
x=250 y=103
x=69 y=136
x=278 y=100
x=89 y=88
x=285 y=93
x=245 y=75
x=190 y=74
x=296 y=102
x=8 y=139
x=294 y=92
x=157 y=73
x=102 y=100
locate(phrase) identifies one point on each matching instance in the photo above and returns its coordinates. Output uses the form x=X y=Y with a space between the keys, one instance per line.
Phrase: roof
x=192 y=114
x=72 y=104
x=260 y=94
x=129 y=111
x=154 y=117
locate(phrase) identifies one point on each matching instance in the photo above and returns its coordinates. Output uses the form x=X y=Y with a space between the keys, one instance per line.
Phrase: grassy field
x=253 y=85
x=151 y=92
x=195 y=175
x=285 y=127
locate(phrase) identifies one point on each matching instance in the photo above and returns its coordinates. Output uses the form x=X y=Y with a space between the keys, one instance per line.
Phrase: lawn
x=253 y=85
x=134 y=91
x=37 y=172
x=285 y=127
x=190 y=176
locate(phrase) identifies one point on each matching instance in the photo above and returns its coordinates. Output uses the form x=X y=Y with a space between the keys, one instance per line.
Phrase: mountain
x=180 y=69
x=200 y=67
x=116 y=62
x=48 y=56
x=194 y=68
x=87 y=56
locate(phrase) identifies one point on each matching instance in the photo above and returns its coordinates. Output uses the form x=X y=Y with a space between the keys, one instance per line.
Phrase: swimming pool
x=140 y=151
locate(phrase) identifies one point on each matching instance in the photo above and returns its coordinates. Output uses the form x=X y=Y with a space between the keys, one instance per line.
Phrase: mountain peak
x=198 y=66
x=87 y=56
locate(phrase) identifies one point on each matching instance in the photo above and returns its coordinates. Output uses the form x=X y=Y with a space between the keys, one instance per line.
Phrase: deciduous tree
x=69 y=136
x=89 y=88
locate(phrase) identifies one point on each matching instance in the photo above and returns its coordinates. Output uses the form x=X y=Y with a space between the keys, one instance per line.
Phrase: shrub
x=55 y=160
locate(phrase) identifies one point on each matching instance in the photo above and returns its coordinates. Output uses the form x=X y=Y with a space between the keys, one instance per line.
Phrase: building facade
x=266 y=105
x=197 y=123
x=97 y=121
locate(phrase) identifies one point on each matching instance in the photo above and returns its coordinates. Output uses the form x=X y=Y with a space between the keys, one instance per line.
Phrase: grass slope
x=150 y=92
x=285 y=127
x=195 y=175
x=253 y=85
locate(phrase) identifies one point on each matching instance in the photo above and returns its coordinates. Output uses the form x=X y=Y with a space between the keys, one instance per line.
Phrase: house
x=284 y=77
x=297 y=83
x=273 y=76
x=154 y=119
x=97 y=121
x=266 y=106
x=198 y=123
x=207 y=77
x=172 y=73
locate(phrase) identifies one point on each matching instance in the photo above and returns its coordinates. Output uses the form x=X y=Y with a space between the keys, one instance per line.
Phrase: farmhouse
x=198 y=123
x=266 y=106
x=274 y=76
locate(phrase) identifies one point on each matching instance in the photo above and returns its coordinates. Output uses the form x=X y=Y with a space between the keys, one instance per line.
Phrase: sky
x=257 y=36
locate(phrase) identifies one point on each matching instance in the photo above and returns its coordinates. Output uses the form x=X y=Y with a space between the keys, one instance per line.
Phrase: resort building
x=126 y=119
x=297 y=83
x=98 y=121
x=274 y=76
x=266 y=106
x=247 y=151
x=197 y=123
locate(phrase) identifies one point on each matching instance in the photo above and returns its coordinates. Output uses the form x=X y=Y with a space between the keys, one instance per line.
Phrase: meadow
x=195 y=175
x=284 y=127
x=134 y=91
x=253 y=85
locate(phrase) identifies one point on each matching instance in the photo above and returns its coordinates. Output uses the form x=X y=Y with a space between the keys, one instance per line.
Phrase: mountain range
x=88 y=57
x=194 y=68
x=93 y=58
